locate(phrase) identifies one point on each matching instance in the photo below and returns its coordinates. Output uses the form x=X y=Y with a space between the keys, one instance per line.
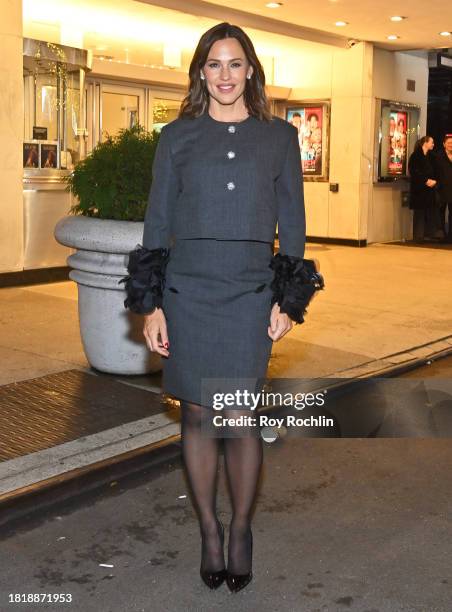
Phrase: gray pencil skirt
x=217 y=304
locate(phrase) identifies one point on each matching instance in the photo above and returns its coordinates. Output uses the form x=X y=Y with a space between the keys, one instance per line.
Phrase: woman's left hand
x=280 y=324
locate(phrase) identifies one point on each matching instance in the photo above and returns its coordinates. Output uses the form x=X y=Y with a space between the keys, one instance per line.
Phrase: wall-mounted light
x=397 y=18
x=341 y=24
x=172 y=56
x=393 y=37
x=273 y=4
x=445 y=33
x=70 y=34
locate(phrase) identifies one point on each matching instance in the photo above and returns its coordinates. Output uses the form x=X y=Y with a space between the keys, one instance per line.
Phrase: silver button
x=231 y=129
x=231 y=154
x=231 y=186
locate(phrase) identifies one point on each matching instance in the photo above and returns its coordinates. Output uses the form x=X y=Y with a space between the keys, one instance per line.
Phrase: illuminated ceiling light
x=445 y=33
x=397 y=18
x=341 y=23
x=273 y=4
x=393 y=37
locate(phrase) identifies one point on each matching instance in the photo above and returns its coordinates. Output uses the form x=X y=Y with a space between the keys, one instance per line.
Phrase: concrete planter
x=112 y=336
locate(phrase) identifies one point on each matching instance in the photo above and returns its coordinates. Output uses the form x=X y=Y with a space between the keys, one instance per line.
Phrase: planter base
x=112 y=336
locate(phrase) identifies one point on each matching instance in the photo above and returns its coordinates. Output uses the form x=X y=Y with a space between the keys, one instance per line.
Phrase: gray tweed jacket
x=229 y=181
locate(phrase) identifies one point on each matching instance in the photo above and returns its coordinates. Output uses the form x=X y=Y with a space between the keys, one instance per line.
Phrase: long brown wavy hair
x=196 y=101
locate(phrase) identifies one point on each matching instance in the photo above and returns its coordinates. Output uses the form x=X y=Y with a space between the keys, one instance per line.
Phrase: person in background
x=422 y=186
x=443 y=161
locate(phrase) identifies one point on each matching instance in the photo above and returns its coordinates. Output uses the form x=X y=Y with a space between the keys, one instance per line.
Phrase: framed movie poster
x=397 y=130
x=312 y=123
x=31 y=155
x=49 y=155
x=398 y=127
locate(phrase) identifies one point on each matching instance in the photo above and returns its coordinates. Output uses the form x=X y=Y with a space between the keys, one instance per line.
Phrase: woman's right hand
x=155 y=324
x=430 y=183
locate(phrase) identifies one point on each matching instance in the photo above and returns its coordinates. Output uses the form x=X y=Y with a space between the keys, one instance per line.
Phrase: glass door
x=163 y=107
x=112 y=105
x=121 y=107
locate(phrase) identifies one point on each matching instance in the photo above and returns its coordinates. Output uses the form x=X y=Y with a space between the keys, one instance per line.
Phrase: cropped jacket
x=228 y=181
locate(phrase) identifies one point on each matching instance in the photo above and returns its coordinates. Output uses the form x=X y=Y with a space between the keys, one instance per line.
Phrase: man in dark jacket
x=422 y=185
x=443 y=162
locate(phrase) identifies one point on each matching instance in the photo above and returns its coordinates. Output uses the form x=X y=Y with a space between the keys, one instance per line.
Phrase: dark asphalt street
x=359 y=525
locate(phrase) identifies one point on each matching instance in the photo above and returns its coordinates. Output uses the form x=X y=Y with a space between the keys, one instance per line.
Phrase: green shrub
x=113 y=182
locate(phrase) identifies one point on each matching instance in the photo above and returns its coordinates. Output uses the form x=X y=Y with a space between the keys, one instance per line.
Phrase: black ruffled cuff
x=146 y=279
x=294 y=284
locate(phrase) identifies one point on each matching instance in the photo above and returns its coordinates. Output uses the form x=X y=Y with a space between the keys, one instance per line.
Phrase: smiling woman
x=225 y=173
x=225 y=78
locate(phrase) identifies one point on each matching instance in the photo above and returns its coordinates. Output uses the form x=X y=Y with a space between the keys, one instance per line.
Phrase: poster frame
x=413 y=134
x=325 y=105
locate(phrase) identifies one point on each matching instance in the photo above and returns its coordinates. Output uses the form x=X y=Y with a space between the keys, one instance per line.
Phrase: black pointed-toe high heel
x=236 y=582
x=215 y=579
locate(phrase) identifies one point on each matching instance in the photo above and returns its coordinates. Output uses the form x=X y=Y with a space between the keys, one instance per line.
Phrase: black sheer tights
x=243 y=460
x=200 y=454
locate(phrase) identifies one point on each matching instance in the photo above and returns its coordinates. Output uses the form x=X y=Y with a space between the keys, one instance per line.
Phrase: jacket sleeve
x=147 y=262
x=295 y=279
x=289 y=190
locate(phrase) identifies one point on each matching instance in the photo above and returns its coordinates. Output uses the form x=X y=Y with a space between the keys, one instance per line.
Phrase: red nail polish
x=166 y=345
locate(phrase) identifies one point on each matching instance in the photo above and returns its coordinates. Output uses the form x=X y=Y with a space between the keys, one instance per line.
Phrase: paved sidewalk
x=378 y=301
x=383 y=306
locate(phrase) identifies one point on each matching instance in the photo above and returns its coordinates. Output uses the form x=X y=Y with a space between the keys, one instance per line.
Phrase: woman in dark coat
x=213 y=294
x=422 y=186
x=443 y=160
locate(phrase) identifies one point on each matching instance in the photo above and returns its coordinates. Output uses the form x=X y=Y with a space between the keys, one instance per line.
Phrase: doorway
x=113 y=105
